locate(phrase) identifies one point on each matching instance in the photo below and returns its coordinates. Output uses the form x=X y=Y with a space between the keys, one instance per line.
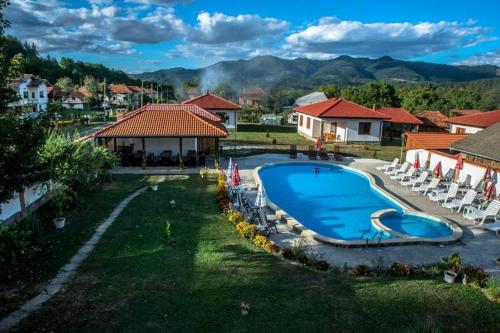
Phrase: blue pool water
x=415 y=225
x=335 y=202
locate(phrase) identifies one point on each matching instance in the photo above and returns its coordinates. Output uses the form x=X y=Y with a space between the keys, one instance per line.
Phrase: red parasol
x=487 y=174
x=236 y=180
x=460 y=163
x=319 y=144
x=438 y=172
x=416 y=164
x=491 y=191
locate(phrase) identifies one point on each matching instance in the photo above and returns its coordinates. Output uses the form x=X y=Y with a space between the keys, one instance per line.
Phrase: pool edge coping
x=401 y=239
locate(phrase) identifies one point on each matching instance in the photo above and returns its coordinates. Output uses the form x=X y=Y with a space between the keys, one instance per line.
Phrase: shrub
x=494 y=287
x=453 y=262
x=271 y=247
x=399 y=269
x=322 y=265
x=475 y=275
x=361 y=270
x=14 y=241
x=260 y=240
x=234 y=216
x=300 y=249
x=287 y=254
x=247 y=230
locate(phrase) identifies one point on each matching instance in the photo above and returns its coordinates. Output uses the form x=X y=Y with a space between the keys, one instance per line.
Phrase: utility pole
x=104 y=102
x=157 y=94
x=161 y=94
x=142 y=93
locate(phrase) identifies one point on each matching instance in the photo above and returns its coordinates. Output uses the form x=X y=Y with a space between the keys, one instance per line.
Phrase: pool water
x=331 y=200
x=415 y=225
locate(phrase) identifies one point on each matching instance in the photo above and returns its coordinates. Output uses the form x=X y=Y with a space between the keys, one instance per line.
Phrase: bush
x=475 y=275
x=322 y=265
x=361 y=270
x=14 y=241
x=453 y=262
x=287 y=254
x=300 y=249
x=247 y=230
x=399 y=269
x=494 y=287
x=234 y=216
x=271 y=247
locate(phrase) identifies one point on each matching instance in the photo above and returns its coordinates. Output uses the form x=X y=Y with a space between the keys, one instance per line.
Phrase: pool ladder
x=373 y=237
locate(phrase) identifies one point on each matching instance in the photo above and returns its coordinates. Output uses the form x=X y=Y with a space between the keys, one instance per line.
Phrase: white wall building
x=226 y=110
x=473 y=123
x=73 y=101
x=32 y=93
x=338 y=120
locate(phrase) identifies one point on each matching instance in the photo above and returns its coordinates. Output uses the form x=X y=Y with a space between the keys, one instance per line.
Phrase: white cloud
x=487 y=58
x=402 y=40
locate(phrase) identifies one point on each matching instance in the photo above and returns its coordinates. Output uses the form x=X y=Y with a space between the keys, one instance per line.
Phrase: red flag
x=236 y=180
x=319 y=145
x=460 y=163
x=491 y=191
x=487 y=174
x=438 y=172
x=416 y=164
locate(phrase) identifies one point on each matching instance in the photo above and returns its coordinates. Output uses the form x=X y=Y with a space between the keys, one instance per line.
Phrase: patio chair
x=424 y=188
x=479 y=188
x=293 y=151
x=313 y=154
x=461 y=203
x=482 y=215
x=444 y=196
x=166 y=157
x=465 y=185
x=323 y=154
x=266 y=223
x=390 y=166
x=337 y=155
x=414 y=181
x=396 y=171
x=495 y=226
x=406 y=175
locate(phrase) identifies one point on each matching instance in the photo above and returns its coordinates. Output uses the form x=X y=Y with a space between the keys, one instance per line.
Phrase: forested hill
x=270 y=71
x=52 y=69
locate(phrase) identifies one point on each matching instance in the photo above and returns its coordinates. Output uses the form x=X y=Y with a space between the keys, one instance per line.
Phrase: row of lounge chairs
x=265 y=223
x=313 y=153
x=460 y=196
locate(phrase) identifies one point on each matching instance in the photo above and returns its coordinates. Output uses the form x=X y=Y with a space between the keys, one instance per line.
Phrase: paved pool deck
x=477 y=246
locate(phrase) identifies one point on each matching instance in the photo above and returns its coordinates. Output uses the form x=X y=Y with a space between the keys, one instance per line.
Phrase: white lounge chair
x=460 y=203
x=387 y=167
x=424 y=188
x=408 y=174
x=416 y=181
x=445 y=196
x=482 y=215
x=493 y=227
x=402 y=169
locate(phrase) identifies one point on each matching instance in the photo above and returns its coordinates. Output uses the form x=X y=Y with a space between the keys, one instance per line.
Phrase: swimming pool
x=338 y=202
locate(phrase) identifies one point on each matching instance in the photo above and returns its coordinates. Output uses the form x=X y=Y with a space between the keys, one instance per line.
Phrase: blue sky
x=145 y=35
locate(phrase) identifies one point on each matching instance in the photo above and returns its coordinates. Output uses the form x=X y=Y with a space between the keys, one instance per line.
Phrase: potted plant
x=61 y=201
x=453 y=264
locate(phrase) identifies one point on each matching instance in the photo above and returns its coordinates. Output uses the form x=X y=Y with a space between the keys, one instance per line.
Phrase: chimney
x=373 y=107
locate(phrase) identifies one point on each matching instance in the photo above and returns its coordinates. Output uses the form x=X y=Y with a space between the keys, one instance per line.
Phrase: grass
x=134 y=282
x=255 y=138
x=53 y=248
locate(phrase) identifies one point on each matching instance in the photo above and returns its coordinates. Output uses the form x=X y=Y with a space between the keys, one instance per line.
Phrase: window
x=33 y=94
x=25 y=94
x=41 y=94
x=459 y=130
x=301 y=120
x=308 y=123
x=364 y=128
x=223 y=117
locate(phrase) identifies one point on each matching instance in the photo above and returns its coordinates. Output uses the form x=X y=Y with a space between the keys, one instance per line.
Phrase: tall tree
x=66 y=85
x=330 y=90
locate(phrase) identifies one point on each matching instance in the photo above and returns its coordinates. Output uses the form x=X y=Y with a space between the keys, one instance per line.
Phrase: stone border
x=295 y=225
x=67 y=271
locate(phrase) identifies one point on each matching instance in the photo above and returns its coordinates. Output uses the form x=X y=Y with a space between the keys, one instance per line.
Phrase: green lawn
x=133 y=282
x=261 y=137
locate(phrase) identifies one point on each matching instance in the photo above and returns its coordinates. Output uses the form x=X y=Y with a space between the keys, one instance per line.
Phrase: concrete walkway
x=477 y=246
x=67 y=271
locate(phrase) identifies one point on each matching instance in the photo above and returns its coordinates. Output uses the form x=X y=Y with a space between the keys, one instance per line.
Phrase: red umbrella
x=487 y=174
x=416 y=164
x=236 y=180
x=460 y=163
x=438 y=172
x=319 y=144
x=491 y=191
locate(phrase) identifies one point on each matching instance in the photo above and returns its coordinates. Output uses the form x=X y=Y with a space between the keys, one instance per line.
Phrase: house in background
x=481 y=147
x=74 y=101
x=252 y=97
x=338 y=120
x=32 y=93
x=473 y=123
x=399 y=122
x=311 y=98
x=224 y=109
x=434 y=121
x=459 y=113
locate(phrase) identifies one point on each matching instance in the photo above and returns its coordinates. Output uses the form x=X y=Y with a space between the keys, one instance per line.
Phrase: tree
x=66 y=85
x=330 y=90
x=420 y=98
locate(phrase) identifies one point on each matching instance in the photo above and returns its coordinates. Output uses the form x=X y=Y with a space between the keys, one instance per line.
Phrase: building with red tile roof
x=399 y=122
x=431 y=140
x=434 y=121
x=339 y=120
x=224 y=109
x=173 y=129
x=252 y=96
x=473 y=123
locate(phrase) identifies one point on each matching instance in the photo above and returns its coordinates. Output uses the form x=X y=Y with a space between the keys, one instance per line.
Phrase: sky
x=147 y=35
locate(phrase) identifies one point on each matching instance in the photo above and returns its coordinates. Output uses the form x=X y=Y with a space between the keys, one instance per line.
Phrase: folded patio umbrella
x=491 y=191
x=229 y=172
x=260 y=201
x=459 y=166
x=235 y=179
x=487 y=174
x=319 y=144
x=438 y=172
x=416 y=164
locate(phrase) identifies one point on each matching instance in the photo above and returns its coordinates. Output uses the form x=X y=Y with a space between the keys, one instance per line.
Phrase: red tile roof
x=165 y=120
x=252 y=93
x=433 y=119
x=339 y=108
x=212 y=102
x=400 y=116
x=459 y=113
x=431 y=140
x=483 y=119
x=83 y=91
x=119 y=89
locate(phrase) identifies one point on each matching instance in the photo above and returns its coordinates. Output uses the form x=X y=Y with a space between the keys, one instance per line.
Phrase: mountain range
x=270 y=71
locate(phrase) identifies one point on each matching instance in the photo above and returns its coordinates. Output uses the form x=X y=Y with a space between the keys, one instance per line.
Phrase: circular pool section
x=338 y=202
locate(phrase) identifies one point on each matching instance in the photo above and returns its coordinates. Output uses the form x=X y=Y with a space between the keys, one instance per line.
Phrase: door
x=206 y=145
